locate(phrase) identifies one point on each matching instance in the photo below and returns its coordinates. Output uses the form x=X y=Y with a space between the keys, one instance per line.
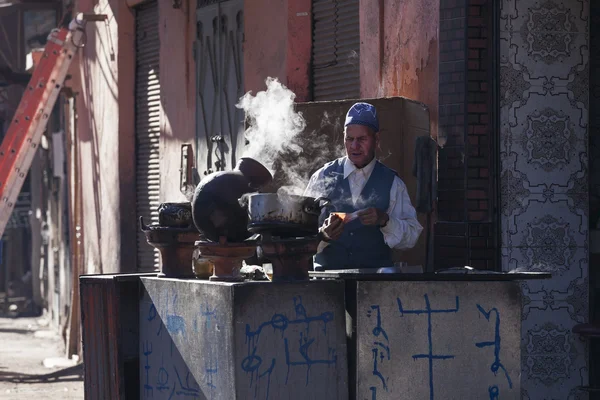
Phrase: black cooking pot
x=216 y=209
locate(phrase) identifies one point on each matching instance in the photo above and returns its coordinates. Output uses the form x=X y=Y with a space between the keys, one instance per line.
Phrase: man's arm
x=402 y=229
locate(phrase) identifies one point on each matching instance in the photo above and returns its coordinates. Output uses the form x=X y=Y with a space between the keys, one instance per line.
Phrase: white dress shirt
x=402 y=230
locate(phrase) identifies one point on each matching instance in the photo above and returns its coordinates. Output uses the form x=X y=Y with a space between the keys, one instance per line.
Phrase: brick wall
x=466 y=230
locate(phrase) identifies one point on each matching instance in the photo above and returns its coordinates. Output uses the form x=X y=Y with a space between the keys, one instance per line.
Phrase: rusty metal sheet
x=110 y=335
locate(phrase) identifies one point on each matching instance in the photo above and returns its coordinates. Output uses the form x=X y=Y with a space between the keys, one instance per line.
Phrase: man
x=379 y=215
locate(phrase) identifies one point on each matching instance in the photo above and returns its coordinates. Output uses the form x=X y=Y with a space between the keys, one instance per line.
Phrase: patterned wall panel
x=544 y=89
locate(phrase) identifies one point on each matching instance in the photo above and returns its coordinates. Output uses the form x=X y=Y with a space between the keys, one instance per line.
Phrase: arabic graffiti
x=497 y=365
x=147 y=350
x=494 y=392
x=164 y=367
x=297 y=355
x=380 y=350
x=429 y=355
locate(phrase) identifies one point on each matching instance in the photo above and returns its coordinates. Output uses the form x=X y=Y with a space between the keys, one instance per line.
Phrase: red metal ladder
x=27 y=126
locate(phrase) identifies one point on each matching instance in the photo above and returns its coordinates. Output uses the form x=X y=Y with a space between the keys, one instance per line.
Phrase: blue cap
x=363 y=114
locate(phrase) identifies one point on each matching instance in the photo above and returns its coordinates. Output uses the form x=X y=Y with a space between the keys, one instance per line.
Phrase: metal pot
x=284 y=215
x=216 y=210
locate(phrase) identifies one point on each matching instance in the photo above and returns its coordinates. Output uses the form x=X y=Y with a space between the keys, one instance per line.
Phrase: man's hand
x=332 y=227
x=373 y=216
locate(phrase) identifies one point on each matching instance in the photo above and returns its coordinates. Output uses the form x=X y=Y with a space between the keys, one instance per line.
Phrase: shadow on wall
x=99 y=98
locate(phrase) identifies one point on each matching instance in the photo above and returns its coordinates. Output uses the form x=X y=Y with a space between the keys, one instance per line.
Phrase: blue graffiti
x=429 y=356
x=376 y=369
x=373 y=390
x=175 y=384
x=162 y=378
x=378 y=330
x=268 y=372
x=147 y=350
x=497 y=364
x=494 y=392
x=151 y=313
x=175 y=324
x=209 y=315
x=380 y=350
x=279 y=322
x=305 y=343
x=210 y=371
x=186 y=389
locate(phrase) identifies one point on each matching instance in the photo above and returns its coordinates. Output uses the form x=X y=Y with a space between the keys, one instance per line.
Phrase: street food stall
x=238 y=312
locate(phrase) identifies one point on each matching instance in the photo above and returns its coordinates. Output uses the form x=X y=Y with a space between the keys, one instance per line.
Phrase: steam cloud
x=275 y=140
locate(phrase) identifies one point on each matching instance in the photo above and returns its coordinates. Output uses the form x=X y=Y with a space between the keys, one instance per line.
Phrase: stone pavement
x=32 y=363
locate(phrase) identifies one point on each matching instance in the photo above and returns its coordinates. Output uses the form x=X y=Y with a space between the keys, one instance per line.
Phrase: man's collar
x=349 y=167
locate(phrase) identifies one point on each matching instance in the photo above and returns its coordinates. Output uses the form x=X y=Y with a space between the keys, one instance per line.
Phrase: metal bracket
x=188 y=178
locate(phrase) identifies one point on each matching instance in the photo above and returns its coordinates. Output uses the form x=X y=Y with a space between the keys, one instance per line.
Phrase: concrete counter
x=452 y=335
x=357 y=336
x=252 y=340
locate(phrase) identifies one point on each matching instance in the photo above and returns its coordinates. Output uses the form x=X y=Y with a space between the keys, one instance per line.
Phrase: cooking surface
x=371 y=275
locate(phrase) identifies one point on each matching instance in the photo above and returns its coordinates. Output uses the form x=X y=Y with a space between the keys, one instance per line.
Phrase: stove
x=175 y=245
x=291 y=257
x=226 y=257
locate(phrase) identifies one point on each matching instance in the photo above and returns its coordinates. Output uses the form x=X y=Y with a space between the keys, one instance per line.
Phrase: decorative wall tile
x=565 y=264
x=546 y=295
x=552 y=356
x=570 y=16
x=540 y=222
x=544 y=99
x=563 y=274
x=548 y=139
x=508 y=12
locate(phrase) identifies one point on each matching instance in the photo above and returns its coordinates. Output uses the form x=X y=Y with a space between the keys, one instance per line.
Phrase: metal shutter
x=147 y=127
x=336 y=47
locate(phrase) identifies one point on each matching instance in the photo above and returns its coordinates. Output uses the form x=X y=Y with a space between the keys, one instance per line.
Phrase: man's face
x=361 y=143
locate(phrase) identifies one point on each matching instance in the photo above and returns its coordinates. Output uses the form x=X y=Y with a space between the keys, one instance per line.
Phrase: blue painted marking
x=494 y=392
x=209 y=315
x=380 y=349
x=497 y=364
x=376 y=370
x=429 y=356
x=147 y=350
x=384 y=347
x=186 y=389
x=280 y=322
x=299 y=307
x=373 y=390
x=251 y=364
x=378 y=330
x=151 y=312
x=176 y=324
x=268 y=372
x=162 y=380
x=210 y=372
x=309 y=362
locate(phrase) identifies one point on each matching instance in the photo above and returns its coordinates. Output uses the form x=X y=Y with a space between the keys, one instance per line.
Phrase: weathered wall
x=278 y=48
x=100 y=72
x=265 y=44
x=177 y=33
x=399 y=51
x=544 y=86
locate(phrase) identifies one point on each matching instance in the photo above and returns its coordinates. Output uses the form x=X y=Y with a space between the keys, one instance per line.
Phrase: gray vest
x=359 y=246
